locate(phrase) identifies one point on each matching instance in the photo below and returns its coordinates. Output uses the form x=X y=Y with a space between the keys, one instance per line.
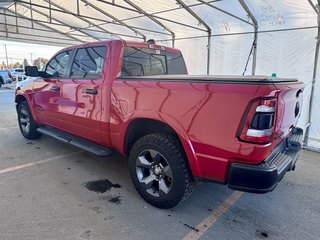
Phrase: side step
x=76 y=141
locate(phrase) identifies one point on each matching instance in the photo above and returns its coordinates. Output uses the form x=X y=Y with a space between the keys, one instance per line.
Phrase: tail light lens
x=9 y=75
x=258 y=123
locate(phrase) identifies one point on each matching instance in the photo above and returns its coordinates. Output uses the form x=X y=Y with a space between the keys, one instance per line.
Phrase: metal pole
x=5 y=48
x=31 y=14
x=152 y=18
x=5 y=22
x=115 y=19
x=87 y=21
x=255 y=38
x=314 y=75
x=31 y=59
x=43 y=25
x=15 y=10
x=196 y=16
x=225 y=12
x=50 y=13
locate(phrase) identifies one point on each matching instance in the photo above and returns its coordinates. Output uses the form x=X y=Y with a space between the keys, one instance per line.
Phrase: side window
x=57 y=66
x=88 y=62
x=176 y=63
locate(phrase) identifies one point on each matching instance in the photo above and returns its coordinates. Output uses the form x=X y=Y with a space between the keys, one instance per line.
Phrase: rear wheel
x=27 y=125
x=159 y=170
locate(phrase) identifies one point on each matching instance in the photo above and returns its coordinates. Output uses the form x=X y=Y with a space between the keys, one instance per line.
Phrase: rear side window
x=88 y=62
x=150 y=62
x=176 y=64
x=57 y=66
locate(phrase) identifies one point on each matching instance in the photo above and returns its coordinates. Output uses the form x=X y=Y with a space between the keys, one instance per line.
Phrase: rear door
x=47 y=90
x=80 y=100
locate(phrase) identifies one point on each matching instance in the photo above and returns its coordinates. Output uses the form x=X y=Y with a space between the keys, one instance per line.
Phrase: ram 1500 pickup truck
x=175 y=129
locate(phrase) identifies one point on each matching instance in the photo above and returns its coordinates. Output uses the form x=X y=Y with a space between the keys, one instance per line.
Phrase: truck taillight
x=9 y=75
x=258 y=123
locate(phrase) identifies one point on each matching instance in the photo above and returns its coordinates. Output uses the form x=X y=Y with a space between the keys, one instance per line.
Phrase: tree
x=25 y=63
x=17 y=65
x=3 y=66
x=40 y=62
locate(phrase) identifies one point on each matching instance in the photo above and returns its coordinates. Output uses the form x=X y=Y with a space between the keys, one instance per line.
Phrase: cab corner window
x=88 y=62
x=56 y=68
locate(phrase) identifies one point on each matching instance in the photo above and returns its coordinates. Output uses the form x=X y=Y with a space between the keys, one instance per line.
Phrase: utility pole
x=5 y=48
x=31 y=64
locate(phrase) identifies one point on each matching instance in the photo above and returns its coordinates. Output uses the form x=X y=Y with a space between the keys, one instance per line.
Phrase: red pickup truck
x=176 y=129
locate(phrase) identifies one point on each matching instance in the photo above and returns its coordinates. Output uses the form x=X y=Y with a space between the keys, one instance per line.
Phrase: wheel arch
x=20 y=98
x=141 y=126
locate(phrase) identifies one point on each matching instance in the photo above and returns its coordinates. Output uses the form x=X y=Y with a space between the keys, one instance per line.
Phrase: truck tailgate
x=289 y=105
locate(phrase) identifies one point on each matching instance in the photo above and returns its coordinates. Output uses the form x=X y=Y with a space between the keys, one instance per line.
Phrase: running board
x=76 y=141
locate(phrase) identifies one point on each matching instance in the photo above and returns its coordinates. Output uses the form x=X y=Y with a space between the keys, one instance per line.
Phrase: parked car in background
x=176 y=129
x=18 y=74
x=25 y=82
x=5 y=77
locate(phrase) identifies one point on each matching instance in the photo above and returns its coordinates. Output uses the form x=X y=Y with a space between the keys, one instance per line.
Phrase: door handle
x=55 y=88
x=91 y=91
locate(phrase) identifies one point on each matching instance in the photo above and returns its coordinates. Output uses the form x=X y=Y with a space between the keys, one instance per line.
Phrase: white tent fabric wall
x=314 y=134
x=289 y=53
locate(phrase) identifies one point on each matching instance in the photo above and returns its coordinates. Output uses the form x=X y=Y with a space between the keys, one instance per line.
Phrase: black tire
x=27 y=125
x=168 y=154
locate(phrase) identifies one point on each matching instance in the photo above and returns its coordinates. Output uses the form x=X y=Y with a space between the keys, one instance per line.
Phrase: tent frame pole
x=53 y=30
x=255 y=38
x=43 y=25
x=173 y=35
x=225 y=12
x=314 y=75
x=86 y=20
x=15 y=12
x=55 y=19
x=144 y=13
x=201 y=21
x=114 y=18
x=84 y=16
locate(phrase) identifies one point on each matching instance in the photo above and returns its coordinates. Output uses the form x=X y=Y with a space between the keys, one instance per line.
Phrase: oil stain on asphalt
x=115 y=200
x=262 y=234
x=101 y=186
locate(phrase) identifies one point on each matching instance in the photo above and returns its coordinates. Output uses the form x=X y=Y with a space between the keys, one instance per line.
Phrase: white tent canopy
x=215 y=36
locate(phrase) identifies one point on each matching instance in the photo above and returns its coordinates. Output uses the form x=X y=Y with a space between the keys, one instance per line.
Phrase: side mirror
x=31 y=71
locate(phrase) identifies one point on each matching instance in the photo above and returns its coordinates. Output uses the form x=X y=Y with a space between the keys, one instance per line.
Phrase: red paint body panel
x=205 y=115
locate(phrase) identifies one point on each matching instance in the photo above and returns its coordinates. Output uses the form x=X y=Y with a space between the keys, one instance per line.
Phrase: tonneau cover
x=216 y=78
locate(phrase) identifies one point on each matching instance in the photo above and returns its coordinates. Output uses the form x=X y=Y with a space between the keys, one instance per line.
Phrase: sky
x=18 y=51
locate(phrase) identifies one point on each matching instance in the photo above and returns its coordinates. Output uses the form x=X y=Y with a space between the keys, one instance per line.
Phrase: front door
x=81 y=93
x=47 y=90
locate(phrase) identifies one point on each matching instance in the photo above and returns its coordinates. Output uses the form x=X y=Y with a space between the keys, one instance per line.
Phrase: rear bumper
x=265 y=177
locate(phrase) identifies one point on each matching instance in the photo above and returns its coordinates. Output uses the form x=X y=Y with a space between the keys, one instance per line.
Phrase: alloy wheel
x=154 y=173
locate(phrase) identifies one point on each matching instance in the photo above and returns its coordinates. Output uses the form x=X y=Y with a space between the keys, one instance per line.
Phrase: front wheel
x=159 y=170
x=27 y=125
